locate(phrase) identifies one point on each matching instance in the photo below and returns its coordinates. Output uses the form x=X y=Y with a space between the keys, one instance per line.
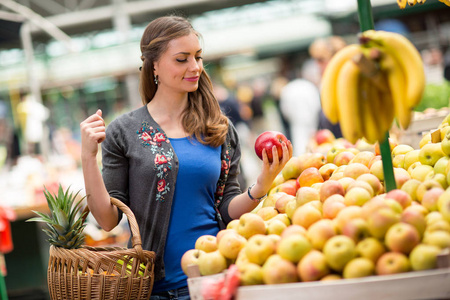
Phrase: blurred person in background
x=173 y=159
x=300 y=106
x=322 y=50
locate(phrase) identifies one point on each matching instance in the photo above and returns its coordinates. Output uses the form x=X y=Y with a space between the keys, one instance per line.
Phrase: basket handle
x=136 y=241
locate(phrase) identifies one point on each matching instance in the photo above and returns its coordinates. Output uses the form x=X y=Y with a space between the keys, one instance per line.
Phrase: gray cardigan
x=140 y=169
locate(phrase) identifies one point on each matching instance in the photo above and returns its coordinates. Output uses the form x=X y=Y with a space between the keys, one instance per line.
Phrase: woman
x=173 y=160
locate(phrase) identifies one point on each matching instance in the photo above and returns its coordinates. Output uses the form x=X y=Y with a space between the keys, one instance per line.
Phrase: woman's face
x=180 y=66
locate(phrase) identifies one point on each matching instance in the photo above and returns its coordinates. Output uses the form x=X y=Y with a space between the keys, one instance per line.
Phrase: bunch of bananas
x=402 y=3
x=366 y=85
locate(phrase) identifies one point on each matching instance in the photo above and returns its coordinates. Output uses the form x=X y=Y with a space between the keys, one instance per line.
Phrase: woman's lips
x=192 y=79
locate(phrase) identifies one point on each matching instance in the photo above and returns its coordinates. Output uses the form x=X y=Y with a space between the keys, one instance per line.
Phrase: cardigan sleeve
x=232 y=188
x=115 y=164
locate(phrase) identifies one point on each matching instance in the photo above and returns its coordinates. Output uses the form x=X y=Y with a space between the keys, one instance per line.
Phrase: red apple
x=324 y=136
x=267 y=140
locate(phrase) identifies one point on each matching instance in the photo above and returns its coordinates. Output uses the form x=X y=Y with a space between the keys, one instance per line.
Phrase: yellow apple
x=356 y=229
x=278 y=270
x=190 y=257
x=335 y=150
x=251 y=224
x=402 y=237
x=380 y=220
x=207 y=243
x=292 y=168
x=330 y=187
x=291 y=206
x=327 y=170
x=313 y=266
x=306 y=194
x=354 y=170
x=392 y=263
x=370 y=248
x=293 y=247
x=438 y=238
x=309 y=176
x=343 y=158
x=319 y=232
x=267 y=213
x=293 y=229
x=346 y=214
x=414 y=218
x=425 y=186
x=426 y=139
x=345 y=182
x=231 y=244
x=410 y=187
x=272 y=198
x=402 y=197
x=410 y=158
x=359 y=267
x=361 y=184
x=275 y=226
x=377 y=170
x=234 y=224
x=430 y=153
x=441 y=165
x=332 y=206
x=401 y=149
x=373 y=181
x=363 y=157
x=399 y=161
x=258 y=248
x=420 y=171
x=331 y=277
x=444 y=205
x=250 y=274
x=210 y=263
x=281 y=203
x=338 y=251
x=357 y=196
x=424 y=257
x=306 y=215
x=431 y=197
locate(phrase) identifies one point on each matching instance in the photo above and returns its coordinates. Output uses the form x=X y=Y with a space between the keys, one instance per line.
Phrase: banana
x=412 y=2
x=401 y=3
x=329 y=79
x=347 y=96
x=396 y=80
x=368 y=98
x=386 y=110
x=446 y=2
x=408 y=58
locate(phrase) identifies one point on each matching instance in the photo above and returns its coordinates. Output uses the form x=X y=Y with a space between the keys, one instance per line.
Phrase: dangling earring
x=156 y=79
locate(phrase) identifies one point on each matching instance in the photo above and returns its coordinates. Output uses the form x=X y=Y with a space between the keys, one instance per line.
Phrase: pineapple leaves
x=65 y=224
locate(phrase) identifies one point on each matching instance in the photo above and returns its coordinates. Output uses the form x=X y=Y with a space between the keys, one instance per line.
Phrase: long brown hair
x=202 y=117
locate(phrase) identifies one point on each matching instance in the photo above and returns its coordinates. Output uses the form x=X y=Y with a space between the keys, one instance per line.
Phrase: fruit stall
x=363 y=216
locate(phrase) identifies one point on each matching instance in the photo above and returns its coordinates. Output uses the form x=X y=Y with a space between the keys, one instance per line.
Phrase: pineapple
x=64 y=227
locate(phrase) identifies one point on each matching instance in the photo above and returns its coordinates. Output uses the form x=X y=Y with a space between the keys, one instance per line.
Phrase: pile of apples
x=328 y=217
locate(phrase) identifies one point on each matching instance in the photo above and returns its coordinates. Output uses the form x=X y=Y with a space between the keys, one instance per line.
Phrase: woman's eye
x=181 y=60
x=199 y=58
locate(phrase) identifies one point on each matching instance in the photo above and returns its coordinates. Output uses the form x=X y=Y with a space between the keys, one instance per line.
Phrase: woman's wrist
x=255 y=193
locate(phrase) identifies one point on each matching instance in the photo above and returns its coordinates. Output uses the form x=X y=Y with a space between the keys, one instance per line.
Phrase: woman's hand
x=92 y=134
x=271 y=170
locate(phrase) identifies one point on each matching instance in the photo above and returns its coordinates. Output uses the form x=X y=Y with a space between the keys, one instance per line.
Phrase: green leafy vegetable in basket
x=65 y=228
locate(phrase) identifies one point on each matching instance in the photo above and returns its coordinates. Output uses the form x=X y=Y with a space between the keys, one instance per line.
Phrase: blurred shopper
x=322 y=50
x=300 y=105
x=172 y=160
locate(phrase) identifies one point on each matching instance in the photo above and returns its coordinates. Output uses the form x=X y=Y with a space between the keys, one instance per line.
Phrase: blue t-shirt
x=193 y=212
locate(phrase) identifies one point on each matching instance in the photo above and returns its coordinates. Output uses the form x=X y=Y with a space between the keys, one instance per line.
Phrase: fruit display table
x=430 y=284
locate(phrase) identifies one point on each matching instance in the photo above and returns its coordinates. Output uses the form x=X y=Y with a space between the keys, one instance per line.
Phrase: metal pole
x=366 y=23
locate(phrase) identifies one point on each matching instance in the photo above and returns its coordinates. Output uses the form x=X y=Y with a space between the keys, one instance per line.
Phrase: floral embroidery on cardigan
x=225 y=168
x=153 y=138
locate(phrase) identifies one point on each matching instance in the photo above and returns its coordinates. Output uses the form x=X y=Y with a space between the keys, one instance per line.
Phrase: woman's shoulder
x=130 y=118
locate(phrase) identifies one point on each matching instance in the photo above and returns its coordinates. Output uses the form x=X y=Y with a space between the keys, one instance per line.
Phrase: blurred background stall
x=61 y=60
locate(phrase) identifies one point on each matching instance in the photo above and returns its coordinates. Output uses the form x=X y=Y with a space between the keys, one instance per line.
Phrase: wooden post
x=366 y=23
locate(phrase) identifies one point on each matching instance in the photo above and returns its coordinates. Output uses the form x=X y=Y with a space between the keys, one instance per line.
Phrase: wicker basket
x=102 y=272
